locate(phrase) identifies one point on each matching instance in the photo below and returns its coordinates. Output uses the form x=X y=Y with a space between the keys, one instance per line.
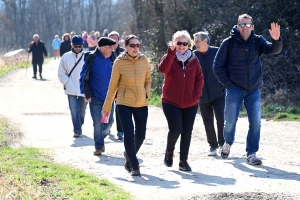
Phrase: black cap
x=103 y=41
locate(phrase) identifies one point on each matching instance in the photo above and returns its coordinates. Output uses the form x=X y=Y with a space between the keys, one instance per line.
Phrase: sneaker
x=184 y=166
x=120 y=136
x=253 y=160
x=76 y=135
x=212 y=151
x=136 y=171
x=225 y=150
x=127 y=165
x=168 y=158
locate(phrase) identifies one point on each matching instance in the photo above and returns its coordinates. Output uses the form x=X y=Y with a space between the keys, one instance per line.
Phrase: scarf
x=183 y=57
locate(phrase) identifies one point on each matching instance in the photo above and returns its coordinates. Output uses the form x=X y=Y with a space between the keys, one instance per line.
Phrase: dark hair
x=245 y=16
x=129 y=37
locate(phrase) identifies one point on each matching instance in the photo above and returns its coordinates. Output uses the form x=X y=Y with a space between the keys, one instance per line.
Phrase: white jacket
x=66 y=64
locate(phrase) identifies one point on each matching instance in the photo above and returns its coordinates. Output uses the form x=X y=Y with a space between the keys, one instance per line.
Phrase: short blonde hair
x=182 y=33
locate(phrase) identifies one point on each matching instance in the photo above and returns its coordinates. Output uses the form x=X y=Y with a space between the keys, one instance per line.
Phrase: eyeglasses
x=135 y=45
x=242 y=25
x=182 y=43
x=78 y=47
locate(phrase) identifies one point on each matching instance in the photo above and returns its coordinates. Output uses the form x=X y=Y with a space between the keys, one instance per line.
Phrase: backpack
x=230 y=44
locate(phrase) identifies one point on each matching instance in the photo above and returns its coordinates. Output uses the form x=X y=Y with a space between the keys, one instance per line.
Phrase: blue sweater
x=99 y=76
x=56 y=44
x=243 y=66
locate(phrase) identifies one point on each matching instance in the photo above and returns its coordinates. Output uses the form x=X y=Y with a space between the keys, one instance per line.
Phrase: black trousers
x=35 y=64
x=119 y=125
x=207 y=112
x=180 y=122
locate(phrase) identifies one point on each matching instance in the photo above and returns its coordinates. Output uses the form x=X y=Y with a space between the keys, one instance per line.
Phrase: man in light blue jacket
x=69 y=69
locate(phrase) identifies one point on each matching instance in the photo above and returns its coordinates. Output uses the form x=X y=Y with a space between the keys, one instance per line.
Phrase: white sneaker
x=212 y=152
x=225 y=150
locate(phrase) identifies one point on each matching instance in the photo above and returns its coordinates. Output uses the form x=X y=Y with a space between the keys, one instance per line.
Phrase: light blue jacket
x=56 y=44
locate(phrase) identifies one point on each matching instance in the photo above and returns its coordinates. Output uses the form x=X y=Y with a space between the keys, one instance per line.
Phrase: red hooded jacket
x=182 y=87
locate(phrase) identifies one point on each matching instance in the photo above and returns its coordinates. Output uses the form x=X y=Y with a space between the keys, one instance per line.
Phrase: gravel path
x=40 y=110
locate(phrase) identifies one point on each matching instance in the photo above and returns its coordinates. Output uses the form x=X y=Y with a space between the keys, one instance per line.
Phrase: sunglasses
x=242 y=25
x=78 y=47
x=135 y=45
x=182 y=43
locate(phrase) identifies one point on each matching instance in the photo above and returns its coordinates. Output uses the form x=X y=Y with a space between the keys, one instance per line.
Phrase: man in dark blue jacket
x=212 y=100
x=94 y=81
x=239 y=70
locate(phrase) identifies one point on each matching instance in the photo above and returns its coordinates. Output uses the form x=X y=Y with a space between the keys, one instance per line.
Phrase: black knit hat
x=77 y=40
x=103 y=41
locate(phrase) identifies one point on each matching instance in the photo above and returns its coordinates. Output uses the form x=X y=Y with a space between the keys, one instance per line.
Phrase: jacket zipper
x=184 y=69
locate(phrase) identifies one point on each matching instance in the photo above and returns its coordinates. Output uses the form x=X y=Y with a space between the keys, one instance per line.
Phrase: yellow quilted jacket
x=131 y=80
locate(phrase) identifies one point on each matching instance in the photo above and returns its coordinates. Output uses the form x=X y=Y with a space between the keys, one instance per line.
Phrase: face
x=180 y=43
x=115 y=38
x=133 y=48
x=66 y=38
x=245 y=31
x=36 y=38
x=106 y=50
x=77 y=48
x=198 y=42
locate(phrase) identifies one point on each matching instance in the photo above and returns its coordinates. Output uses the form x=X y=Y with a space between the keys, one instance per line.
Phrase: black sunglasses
x=242 y=25
x=182 y=43
x=75 y=46
x=135 y=45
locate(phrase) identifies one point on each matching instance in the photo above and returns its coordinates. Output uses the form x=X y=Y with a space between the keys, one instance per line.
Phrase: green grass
x=28 y=173
x=6 y=69
x=155 y=99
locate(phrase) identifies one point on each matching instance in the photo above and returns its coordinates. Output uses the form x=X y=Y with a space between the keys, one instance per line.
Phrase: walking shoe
x=41 y=76
x=253 y=160
x=212 y=151
x=76 y=135
x=127 y=163
x=99 y=151
x=136 y=171
x=225 y=150
x=120 y=136
x=34 y=77
x=184 y=166
x=168 y=158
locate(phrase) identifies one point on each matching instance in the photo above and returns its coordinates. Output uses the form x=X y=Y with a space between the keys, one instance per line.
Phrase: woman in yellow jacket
x=131 y=80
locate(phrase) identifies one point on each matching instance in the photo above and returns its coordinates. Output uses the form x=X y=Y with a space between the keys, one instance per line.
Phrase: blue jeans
x=234 y=99
x=101 y=130
x=133 y=136
x=77 y=107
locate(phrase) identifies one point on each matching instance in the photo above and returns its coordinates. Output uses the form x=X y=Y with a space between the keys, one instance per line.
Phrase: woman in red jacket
x=182 y=89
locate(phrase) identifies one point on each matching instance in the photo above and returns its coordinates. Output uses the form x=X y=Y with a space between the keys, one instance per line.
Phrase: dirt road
x=40 y=110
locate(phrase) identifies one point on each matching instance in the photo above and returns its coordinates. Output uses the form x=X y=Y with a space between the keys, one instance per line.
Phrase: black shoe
x=168 y=158
x=184 y=166
x=34 y=77
x=41 y=76
x=127 y=165
x=135 y=171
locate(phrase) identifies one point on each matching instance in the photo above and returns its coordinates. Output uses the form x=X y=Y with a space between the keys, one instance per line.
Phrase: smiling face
x=180 y=43
x=133 y=47
x=245 y=32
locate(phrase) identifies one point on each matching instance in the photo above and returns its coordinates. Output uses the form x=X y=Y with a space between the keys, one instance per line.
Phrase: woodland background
x=154 y=21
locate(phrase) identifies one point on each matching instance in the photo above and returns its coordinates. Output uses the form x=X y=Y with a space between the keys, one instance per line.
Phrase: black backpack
x=230 y=44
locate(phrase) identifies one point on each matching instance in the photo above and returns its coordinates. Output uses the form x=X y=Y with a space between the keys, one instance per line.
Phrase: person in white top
x=69 y=70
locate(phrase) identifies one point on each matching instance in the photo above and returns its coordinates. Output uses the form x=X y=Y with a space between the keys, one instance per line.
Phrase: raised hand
x=172 y=47
x=275 y=31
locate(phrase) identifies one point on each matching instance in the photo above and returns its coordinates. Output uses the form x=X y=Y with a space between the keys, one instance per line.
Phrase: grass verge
x=28 y=173
x=155 y=99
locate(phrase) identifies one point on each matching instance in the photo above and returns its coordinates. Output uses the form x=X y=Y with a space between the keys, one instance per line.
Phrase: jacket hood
x=236 y=34
x=125 y=56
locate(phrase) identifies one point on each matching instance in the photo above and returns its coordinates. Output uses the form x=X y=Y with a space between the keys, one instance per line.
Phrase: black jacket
x=243 y=66
x=65 y=47
x=38 y=51
x=212 y=88
x=119 y=50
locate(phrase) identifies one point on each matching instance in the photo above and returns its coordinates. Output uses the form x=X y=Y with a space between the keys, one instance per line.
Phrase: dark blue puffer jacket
x=243 y=66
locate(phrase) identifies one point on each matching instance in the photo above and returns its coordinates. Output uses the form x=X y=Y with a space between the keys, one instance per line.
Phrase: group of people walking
x=218 y=80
